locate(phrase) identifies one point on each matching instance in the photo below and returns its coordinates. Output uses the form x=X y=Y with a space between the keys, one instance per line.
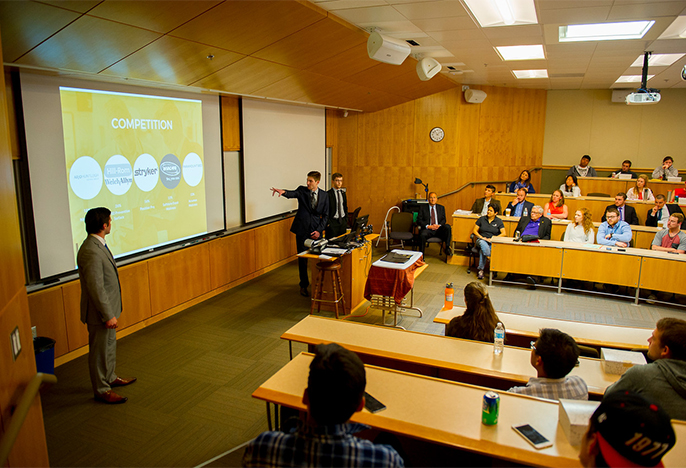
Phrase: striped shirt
x=321 y=446
x=571 y=387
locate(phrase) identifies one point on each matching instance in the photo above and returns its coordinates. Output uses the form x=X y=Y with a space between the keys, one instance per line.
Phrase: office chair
x=599 y=194
x=472 y=251
x=402 y=228
x=353 y=216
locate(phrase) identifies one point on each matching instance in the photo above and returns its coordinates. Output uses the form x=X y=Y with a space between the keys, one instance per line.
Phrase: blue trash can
x=44 y=348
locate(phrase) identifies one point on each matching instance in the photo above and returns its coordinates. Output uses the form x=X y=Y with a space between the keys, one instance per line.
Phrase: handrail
x=535 y=169
x=20 y=413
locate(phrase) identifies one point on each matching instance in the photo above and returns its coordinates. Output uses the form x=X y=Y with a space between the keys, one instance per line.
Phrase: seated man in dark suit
x=432 y=222
x=519 y=206
x=481 y=205
x=536 y=224
x=660 y=213
x=335 y=391
x=627 y=213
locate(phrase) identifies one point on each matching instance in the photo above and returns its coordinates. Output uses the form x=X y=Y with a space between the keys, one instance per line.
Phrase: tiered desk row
x=428 y=385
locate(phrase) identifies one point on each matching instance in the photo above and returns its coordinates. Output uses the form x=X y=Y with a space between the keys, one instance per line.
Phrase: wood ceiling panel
x=312 y=45
x=248 y=26
x=371 y=77
x=88 y=44
x=246 y=76
x=157 y=15
x=24 y=25
x=173 y=60
x=345 y=64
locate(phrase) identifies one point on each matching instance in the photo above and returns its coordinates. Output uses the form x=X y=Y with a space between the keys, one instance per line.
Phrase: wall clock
x=436 y=134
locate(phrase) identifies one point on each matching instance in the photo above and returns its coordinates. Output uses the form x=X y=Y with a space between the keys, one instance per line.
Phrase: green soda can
x=490 y=408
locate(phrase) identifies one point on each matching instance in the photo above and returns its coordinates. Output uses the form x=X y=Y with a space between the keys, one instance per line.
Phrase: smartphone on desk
x=532 y=436
x=372 y=404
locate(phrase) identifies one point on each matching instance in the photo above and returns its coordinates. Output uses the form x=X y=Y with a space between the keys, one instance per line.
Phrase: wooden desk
x=521 y=329
x=613 y=186
x=449 y=413
x=437 y=356
x=630 y=267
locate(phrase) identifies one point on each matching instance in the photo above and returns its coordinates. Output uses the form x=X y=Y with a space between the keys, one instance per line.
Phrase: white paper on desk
x=334 y=251
x=462 y=212
x=325 y=257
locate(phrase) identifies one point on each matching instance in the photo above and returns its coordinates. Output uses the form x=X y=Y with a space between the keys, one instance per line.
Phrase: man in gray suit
x=101 y=306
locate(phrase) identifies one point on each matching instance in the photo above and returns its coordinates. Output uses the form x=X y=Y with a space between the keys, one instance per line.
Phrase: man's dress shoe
x=110 y=397
x=303 y=292
x=119 y=382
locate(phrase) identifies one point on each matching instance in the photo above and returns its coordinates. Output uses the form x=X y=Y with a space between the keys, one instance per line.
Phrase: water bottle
x=449 y=293
x=526 y=212
x=499 y=341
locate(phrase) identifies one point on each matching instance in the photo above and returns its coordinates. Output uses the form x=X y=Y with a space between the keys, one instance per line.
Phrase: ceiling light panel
x=658 y=60
x=525 y=52
x=604 y=31
x=529 y=74
x=491 y=13
x=631 y=78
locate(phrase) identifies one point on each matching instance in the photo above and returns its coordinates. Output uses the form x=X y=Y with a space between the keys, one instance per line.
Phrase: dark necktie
x=340 y=204
x=621 y=213
x=433 y=214
x=313 y=202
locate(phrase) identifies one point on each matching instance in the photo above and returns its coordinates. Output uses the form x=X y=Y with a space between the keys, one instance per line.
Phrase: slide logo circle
x=192 y=169
x=85 y=178
x=170 y=171
x=118 y=174
x=145 y=172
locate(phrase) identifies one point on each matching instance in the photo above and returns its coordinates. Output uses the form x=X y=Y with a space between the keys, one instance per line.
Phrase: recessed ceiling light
x=490 y=13
x=676 y=30
x=658 y=60
x=525 y=52
x=528 y=74
x=604 y=31
x=631 y=78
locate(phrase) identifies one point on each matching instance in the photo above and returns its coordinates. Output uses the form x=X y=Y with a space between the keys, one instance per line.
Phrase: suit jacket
x=672 y=208
x=333 y=203
x=424 y=218
x=527 y=206
x=308 y=220
x=544 y=229
x=630 y=215
x=100 y=288
x=479 y=205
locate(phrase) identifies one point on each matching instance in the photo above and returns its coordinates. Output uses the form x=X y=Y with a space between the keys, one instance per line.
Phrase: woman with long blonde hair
x=581 y=230
x=479 y=320
x=640 y=191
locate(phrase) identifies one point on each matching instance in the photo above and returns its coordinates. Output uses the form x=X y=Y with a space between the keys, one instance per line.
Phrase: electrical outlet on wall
x=33 y=332
x=16 y=343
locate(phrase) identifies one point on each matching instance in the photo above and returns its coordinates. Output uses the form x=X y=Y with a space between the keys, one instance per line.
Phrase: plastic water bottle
x=499 y=341
x=526 y=212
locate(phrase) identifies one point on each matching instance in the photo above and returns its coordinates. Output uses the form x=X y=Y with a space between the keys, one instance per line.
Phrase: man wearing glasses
x=613 y=231
x=554 y=354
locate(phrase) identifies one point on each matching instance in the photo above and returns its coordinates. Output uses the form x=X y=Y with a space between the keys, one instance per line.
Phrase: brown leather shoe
x=110 y=397
x=119 y=382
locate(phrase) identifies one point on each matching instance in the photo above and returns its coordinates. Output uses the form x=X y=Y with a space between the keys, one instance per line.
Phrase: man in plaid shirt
x=554 y=354
x=335 y=390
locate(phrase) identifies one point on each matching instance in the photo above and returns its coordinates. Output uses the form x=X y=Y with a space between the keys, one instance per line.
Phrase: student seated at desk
x=485 y=228
x=640 y=191
x=519 y=206
x=627 y=430
x=535 y=225
x=523 y=181
x=625 y=170
x=479 y=320
x=583 y=169
x=480 y=205
x=554 y=354
x=666 y=170
x=571 y=187
x=556 y=208
x=626 y=212
x=613 y=231
x=581 y=230
x=335 y=391
x=664 y=379
x=671 y=239
x=659 y=214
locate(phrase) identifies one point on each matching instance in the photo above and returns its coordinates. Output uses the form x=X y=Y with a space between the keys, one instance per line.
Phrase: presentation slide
x=142 y=157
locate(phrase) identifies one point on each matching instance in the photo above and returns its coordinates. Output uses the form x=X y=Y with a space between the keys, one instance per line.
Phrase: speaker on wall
x=387 y=49
x=427 y=68
x=474 y=96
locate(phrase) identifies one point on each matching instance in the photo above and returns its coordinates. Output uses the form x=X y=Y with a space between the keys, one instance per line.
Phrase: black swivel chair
x=402 y=228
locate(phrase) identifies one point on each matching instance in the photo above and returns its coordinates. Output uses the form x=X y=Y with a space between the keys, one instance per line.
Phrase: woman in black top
x=479 y=320
x=485 y=228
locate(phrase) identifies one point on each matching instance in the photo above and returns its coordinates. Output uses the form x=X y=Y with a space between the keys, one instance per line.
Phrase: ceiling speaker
x=427 y=68
x=387 y=49
x=474 y=96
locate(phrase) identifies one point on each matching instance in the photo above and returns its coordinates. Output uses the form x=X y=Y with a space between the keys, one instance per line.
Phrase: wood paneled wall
x=381 y=153
x=156 y=288
x=30 y=448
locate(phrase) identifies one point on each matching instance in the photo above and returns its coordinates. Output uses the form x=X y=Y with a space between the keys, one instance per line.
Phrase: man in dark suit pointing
x=101 y=306
x=310 y=220
x=432 y=222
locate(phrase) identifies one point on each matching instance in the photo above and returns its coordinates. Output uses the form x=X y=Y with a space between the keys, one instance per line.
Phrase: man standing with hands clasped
x=338 y=207
x=101 y=306
x=309 y=221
